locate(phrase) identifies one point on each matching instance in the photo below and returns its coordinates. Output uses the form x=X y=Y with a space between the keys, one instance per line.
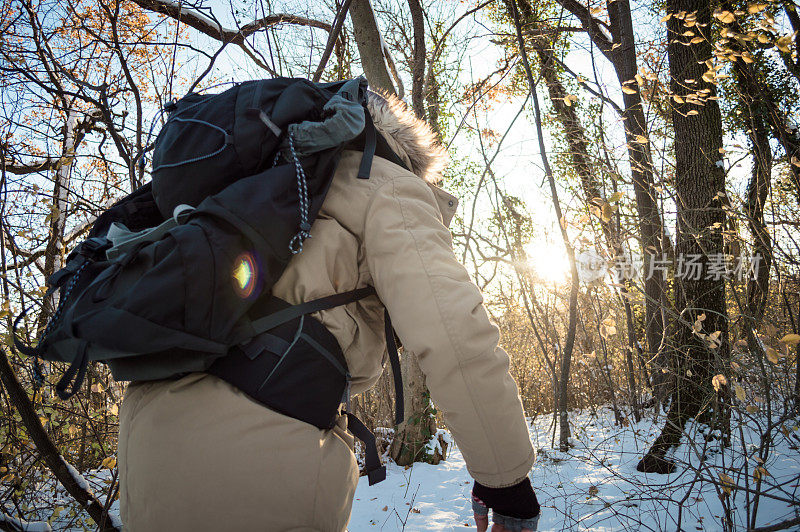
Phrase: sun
x=548 y=261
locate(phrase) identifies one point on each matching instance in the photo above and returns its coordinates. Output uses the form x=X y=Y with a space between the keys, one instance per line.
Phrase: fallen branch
x=72 y=481
x=12 y=524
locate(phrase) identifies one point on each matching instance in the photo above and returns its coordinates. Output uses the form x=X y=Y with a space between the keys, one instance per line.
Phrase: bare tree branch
x=212 y=28
x=341 y=15
x=208 y=26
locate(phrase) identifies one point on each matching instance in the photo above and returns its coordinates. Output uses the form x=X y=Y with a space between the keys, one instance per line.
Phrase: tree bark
x=757 y=106
x=370 y=46
x=702 y=350
x=413 y=435
x=620 y=50
x=54 y=250
x=418 y=69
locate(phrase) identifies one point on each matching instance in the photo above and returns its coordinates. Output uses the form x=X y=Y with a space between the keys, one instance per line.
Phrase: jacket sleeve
x=438 y=314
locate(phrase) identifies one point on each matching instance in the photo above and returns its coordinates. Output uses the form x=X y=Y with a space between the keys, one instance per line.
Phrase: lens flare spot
x=244 y=275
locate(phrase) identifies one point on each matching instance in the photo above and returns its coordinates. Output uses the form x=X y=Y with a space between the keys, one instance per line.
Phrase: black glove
x=515 y=507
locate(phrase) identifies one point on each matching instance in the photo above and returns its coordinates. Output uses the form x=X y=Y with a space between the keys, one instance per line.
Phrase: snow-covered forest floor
x=594 y=486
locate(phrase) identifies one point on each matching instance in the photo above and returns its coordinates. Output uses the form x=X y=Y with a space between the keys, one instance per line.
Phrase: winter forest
x=628 y=176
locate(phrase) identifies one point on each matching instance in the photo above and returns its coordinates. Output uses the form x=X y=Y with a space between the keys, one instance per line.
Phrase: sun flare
x=548 y=261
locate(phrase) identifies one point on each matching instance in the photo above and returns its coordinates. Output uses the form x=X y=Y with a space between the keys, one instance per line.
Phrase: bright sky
x=519 y=163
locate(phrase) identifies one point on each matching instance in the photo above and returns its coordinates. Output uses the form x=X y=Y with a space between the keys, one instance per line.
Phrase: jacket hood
x=409 y=137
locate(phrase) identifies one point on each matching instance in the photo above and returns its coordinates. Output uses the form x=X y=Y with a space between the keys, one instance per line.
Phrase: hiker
x=195 y=453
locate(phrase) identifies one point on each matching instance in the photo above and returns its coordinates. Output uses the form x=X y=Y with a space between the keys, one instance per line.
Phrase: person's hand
x=515 y=508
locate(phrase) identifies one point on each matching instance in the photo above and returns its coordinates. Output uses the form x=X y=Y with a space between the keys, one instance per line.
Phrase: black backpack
x=177 y=277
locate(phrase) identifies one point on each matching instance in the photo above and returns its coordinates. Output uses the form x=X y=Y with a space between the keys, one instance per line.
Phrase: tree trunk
x=413 y=435
x=418 y=68
x=757 y=106
x=569 y=342
x=54 y=250
x=370 y=46
x=651 y=230
x=702 y=337
x=579 y=155
x=620 y=50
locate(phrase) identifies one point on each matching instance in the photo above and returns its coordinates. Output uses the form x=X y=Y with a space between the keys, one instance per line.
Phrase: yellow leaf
x=110 y=462
x=641 y=139
x=596 y=10
x=756 y=8
x=628 y=90
x=791 y=339
x=666 y=17
x=762 y=38
x=752 y=409
x=747 y=58
x=678 y=99
x=759 y=473
x=739 y=391
x=693 y=112
x=697 y=40
x=608 y=327
x=782 y=43
x=726 y=17
x=727 y=483
x=772 y=355
x=718 y=381
x=616 y=196
x=607 y=212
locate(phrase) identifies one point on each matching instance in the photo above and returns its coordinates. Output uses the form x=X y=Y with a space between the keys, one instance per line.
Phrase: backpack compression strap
x=271 y=321
x=394 y=360
x=375 y=471
x=275 y=319
x=370 y=140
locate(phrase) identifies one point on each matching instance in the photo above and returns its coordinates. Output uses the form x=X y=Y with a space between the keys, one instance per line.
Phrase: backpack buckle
x=95 y=247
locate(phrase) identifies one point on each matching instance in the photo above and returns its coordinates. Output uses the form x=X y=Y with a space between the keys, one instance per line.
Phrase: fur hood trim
x=411 y=138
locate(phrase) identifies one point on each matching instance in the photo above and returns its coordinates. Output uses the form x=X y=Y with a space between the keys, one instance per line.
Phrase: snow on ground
x=594 y=487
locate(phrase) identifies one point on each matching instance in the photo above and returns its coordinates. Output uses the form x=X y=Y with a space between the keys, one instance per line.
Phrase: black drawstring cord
x=296 y=244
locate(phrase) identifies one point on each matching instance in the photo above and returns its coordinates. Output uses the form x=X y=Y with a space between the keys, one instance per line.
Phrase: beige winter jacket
x=390 y=232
